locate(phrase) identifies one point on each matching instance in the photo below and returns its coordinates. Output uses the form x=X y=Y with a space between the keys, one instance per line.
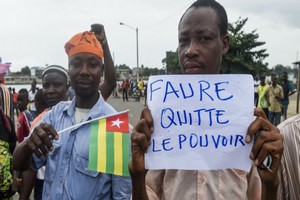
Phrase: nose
x=192 y=49
x=51 y=89
x=84 y=68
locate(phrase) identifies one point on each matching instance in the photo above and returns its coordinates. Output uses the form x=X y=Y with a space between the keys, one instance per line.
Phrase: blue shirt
x=287 y=88
x=67 y=175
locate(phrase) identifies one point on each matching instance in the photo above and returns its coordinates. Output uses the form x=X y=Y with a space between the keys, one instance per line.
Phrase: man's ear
x=225 y=42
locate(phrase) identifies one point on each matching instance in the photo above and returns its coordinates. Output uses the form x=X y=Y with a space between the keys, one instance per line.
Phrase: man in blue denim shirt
x=66 y=155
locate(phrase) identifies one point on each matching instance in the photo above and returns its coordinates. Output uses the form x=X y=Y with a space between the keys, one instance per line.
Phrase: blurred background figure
x=288 y=90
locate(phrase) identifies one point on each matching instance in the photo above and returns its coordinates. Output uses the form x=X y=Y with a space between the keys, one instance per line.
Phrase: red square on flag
x=118 y=123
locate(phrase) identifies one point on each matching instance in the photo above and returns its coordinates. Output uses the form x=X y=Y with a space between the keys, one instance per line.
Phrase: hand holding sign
x=200 y=121
x=268 y=141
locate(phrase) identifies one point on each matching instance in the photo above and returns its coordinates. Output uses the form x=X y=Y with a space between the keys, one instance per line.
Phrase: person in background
x=24 y=122
x=274 y=96
x=15 y=95
x=25 y=118
x=31 y=95
x=85 y=69
x=54 y=81
x=145 y=94
x=261 y=89
x=288 y=90
x=256 y=84
x=6 y=102
x=124 y=87
x=203 y=40
x=40 y=102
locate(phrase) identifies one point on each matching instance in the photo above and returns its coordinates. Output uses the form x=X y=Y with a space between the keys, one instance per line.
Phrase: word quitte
x=202 y=90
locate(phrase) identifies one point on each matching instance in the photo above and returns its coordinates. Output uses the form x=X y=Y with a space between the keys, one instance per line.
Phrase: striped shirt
x=289 y=187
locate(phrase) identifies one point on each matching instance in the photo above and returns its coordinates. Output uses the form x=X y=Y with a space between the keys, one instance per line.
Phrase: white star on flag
x=117 y=123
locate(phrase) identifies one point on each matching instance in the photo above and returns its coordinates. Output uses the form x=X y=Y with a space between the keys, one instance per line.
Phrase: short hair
x=55 y=68
x=39 y=97
x=218 y=8
x=23 y=91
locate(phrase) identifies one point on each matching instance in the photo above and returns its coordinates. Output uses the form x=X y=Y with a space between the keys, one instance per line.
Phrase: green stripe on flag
x=110 y=152
x=93 y=151
x=125 y=148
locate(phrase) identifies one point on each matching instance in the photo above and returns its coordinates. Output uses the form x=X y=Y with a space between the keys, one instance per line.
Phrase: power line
x=166 y=18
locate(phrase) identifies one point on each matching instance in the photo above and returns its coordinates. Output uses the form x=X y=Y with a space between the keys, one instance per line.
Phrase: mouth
x=52 y=100
x=83 y=83
x=192 y=67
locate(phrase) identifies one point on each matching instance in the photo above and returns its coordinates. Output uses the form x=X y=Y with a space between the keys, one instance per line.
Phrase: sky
x=34 y=32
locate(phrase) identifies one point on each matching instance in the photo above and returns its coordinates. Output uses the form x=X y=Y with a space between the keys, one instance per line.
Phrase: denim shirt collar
x=93 y=113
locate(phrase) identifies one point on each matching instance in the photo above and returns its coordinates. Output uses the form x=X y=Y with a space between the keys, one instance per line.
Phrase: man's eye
x=204 y=39
x=45 y=86
x=93 y=64
x=183 y=41
x=76 y=64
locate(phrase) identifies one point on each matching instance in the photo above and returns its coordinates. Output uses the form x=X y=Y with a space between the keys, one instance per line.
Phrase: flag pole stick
x=92 y=120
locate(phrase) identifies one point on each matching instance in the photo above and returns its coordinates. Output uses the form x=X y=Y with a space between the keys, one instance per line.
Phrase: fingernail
x=248 y=139
x=152 y=129
x=256 y=162
x=251 y=156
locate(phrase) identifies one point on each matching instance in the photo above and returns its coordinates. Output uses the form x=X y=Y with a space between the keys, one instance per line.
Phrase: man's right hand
x=98 y=30
x=39 y=141
x=140 y=140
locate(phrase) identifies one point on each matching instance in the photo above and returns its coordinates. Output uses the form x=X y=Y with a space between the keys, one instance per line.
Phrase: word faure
x=202 y=90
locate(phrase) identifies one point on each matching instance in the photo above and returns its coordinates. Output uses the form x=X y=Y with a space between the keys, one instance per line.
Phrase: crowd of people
x=273 y=97
x=55 y=165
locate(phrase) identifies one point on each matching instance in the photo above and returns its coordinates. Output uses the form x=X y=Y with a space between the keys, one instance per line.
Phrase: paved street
x=292 y=106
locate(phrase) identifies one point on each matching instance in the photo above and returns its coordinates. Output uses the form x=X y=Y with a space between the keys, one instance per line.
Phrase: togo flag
x=109 y=145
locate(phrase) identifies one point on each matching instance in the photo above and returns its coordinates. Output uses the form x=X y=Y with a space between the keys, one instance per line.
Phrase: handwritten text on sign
x=200 y=121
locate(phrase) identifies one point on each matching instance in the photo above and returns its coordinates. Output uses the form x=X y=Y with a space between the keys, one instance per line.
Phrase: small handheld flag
x=109 y=145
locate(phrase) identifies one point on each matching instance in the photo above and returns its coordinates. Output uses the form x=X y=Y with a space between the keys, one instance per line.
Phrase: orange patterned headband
x=84 y=42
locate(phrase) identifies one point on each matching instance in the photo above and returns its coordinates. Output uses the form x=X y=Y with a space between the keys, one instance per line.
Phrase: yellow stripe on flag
x=102 y=146
x=118 y=153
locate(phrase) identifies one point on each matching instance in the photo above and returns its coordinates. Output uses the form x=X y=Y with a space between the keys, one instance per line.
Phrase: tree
x=152 y=71
x=244 y=55
x=171 y=62
x=26 y=71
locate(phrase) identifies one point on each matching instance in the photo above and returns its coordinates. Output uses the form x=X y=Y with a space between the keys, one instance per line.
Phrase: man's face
x=284 y=77
x=274 y=80
x=22 y=102
x=201 y=45
x=54 y=88
x=33 y=84
x=85 y=71
x=262 y=80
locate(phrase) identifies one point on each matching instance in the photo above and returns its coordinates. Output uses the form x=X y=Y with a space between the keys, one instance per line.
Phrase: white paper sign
x=200 y=121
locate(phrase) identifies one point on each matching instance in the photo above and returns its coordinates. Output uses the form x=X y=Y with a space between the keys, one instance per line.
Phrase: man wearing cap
x=66 y=155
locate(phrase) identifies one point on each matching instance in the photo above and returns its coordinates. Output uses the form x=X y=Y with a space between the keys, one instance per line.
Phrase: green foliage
x=26 y=71
x=146 y=72
x=244 y=55
x=171 y=62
